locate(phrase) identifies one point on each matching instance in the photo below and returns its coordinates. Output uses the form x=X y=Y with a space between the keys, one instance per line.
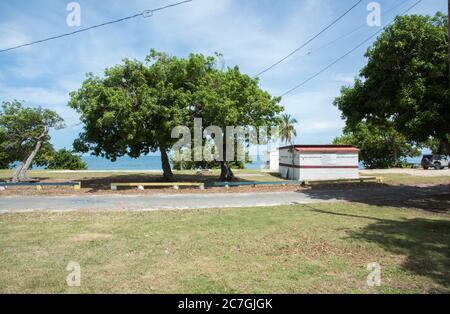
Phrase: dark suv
x=435 y=161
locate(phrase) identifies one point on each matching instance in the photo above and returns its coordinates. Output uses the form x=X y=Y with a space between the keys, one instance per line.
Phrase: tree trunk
x=446 y=145
x=21 y=171
x=15 y=177
x=396 y=159
x=167 y=170
x=20 y=174
x=226 y=174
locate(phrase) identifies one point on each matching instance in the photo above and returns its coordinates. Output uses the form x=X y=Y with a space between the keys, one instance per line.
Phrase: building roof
x=323 y=148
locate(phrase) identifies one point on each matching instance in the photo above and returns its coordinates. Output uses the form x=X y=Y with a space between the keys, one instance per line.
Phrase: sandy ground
x=413 y=172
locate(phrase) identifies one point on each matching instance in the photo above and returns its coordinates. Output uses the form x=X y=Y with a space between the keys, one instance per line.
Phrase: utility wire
x=351 y=32
x=346 y=54
x=145 y=14
x=310 y=40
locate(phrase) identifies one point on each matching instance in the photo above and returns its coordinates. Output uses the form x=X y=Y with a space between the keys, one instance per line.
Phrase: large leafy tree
x=380 y=147
x=134 y=107
x=231 y=98
x=405 y=82
x=24 y=136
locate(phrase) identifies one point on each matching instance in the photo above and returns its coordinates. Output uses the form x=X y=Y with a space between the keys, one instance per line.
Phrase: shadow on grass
x=424 y=242
x=434 y=198
x=275 y=175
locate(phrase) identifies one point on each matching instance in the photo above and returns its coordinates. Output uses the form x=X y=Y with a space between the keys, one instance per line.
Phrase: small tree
x=380 y=147
x=25 y=132
x=287 y=132
x=66 y=160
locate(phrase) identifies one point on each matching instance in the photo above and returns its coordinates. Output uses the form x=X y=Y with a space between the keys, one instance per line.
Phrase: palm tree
x=286 y=128
x=287 y=133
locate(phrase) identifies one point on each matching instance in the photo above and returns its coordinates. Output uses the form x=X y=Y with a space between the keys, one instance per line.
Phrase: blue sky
x=252 y=34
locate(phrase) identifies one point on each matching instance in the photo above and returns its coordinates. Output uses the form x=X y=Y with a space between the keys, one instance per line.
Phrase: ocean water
x=154 y=163
x=142 y=163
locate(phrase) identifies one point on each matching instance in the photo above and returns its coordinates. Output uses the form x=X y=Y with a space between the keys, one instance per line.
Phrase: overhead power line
x=145 y=14
x=363 y=25
x=310 y=40
x=346 y=54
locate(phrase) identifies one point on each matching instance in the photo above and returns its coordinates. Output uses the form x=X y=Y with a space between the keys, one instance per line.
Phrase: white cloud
x=236 y=28
x=35 y=95
x=318 y=119
x=319 y=127
x=11 y=36
x=348 y=78
x=232 y=27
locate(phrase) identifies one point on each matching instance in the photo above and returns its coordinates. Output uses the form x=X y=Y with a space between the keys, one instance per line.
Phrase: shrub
x=67 y=160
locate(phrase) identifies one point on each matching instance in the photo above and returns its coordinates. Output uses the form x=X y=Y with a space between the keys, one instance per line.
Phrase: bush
x=380 y=146
x=66 y=160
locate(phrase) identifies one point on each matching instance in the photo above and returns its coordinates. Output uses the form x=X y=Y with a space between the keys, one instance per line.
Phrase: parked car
x=435 y=161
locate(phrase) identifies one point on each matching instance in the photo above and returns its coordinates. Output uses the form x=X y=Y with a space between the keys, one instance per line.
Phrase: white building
x=319 y=162
x=272 y=159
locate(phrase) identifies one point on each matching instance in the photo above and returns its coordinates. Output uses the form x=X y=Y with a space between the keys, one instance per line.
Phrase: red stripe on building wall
x=323 y=149
x=328 y=151
x=319 y=167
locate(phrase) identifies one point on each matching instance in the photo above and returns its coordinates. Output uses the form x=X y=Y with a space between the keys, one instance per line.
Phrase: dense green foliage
x=67 y=160
x=230 y=98
x=134 y=107
x=23 y=132
x=5 y=156
x=380 y=147
x=132 y=110
x=436 y=146
x=405 y=82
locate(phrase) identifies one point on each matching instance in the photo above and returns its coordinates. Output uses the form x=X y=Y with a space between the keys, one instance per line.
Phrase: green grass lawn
x=293 y=249
x=407 y=179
